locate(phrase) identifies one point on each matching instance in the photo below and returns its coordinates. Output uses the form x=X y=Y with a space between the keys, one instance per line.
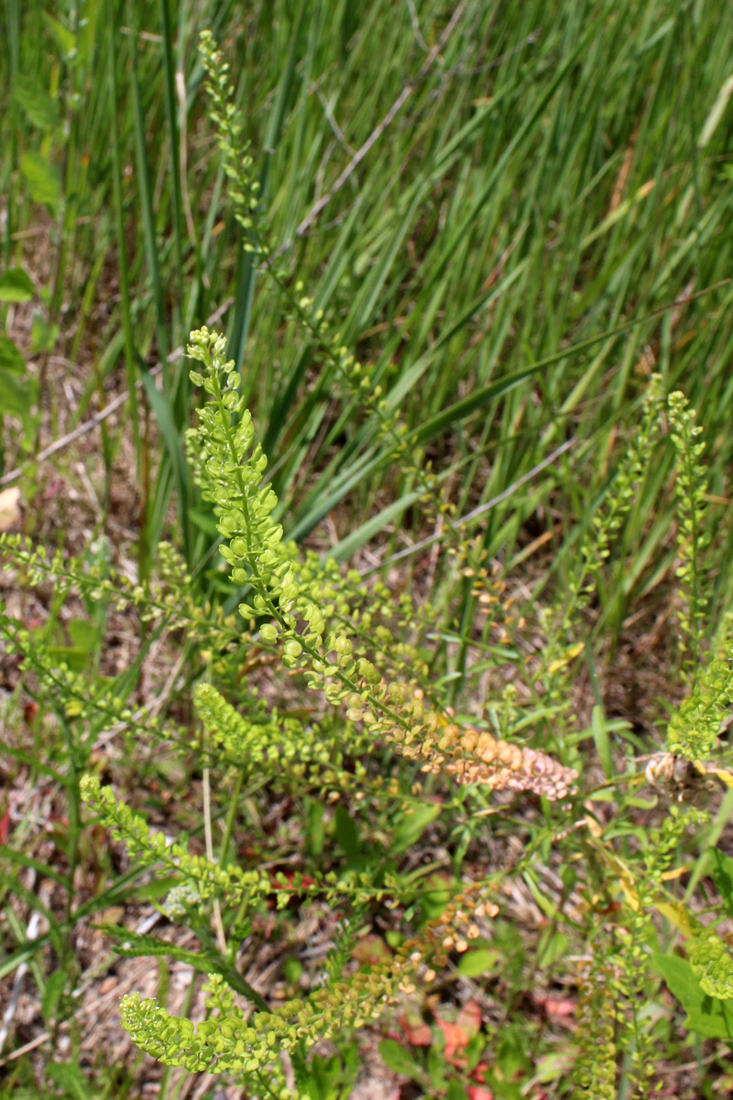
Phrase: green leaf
x=553 y=949
x=602 y=743
x=17 y=395
x=455 y=1091
x=396 y=1058
x=436 y=1067
x=6 y=852
x=137 y=945
x=347 y=547
x=44 y=336
x=16 y=286
x=346 y=832
x=65 y=40
x=314 y=830
x=706 y=1015
x=44 y=178
x=75 y=658
x=412 y=826
x=475 y=963
x=325 y=1074
x=716 y=113
x=439 y=890
x=69 y=1077
x=292 y=970
x=84 y=635
x=722 y=871
x=11 y=358
x=55 y=984
x=42 y=110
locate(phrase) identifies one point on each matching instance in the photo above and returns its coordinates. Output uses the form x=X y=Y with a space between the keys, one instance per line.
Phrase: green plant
x=306 y=608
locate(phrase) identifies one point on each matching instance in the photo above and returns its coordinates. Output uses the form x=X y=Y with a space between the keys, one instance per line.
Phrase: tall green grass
x=505 y=252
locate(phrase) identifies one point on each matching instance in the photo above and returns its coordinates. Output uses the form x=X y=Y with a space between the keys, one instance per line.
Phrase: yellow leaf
x=724 y=775
x=669 y=875
x=629 y=894
x=625 y=877
x=678 y=916
x=569 y=655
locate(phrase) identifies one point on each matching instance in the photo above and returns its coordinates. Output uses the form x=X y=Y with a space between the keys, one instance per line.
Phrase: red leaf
x=556 y=1007
x=479 y=1074
x=458 y=1034
x=4 y=826
x=469 y=1019
x=416 y=1031
x=476 y=1092
x=455 y=1038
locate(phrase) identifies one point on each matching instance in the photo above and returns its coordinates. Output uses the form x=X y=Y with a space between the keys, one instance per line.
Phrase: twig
x=380 y=128
x=416 y=26
x=113 y=405
x=327 y=110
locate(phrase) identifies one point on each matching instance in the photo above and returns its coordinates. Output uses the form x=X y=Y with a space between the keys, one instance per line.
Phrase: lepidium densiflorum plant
x=307 y=604
x=317 y=620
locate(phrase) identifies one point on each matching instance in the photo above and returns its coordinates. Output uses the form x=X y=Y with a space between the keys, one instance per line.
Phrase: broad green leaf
x=455 y=1090
x=11 y=358
x=396 y=1058
x=16 y=286
x=84 y=635
x=75 y=658
x=412 y=826
x=65 y=40
x=477 y=962
x=437 y=1068
x=17 y=395
x=347 y=833
x=42 y=110
x=706 y=1015
x=44 y=336
x=44 y=178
